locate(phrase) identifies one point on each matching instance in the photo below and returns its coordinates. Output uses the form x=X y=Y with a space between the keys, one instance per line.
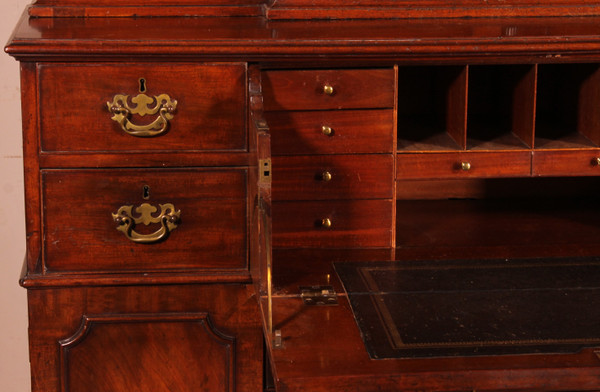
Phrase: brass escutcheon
x=168 y=219
x=144 y=105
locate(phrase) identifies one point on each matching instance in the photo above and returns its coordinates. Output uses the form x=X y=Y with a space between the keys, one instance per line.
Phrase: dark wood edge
x=90 y=11
x=298 y=10
x=136 y=159
x=33 y=281
x=302 y=52
x=436 y=11
x=31 y=166
x=260 y=134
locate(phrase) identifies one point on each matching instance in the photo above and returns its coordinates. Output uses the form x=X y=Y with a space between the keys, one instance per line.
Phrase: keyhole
x=146 y=192
x=142 y=85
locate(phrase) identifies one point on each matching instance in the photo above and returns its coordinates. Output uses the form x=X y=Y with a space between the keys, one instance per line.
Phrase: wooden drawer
x=209 y=112
x=476 y=164
x=80 y=232
x=330 y=132
x=349 y=89
x=354 y=224
x=566 y=163
x=333 y=177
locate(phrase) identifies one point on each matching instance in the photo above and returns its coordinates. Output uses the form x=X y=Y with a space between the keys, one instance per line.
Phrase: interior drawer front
x=464 y=165
x=328 y=89
x=209 y=113
x=353 y=224
x=331 y=132
x=80 y=232
x=325 y=177
x=566 y=163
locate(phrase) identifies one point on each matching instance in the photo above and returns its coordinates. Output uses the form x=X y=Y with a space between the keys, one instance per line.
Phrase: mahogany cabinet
x=292 y=195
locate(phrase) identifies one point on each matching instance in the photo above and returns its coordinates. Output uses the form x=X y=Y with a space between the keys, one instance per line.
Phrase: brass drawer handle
x=466 y=166
x=168 y=219
x=326 y=176
x=326 y=223
x=327 y=131
x=596 y=161
x=328 y=89
x=144 y=105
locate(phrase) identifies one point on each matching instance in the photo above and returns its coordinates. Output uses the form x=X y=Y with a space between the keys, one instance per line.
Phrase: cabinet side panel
x=146 y=338
x=29 y=104
x=148 y=352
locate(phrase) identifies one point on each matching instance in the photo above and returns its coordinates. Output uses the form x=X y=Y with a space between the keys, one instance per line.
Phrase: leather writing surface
x=458 y=308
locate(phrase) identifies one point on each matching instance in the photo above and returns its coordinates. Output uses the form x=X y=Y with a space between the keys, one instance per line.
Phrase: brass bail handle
x=127 y=220
x=123 y=108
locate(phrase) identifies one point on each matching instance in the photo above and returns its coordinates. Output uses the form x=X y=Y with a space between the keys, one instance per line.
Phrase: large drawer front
x=325 y=177
x=351 y=224
x=209 y=113
x=328 y=89
x=331 y=132
x=81 y=233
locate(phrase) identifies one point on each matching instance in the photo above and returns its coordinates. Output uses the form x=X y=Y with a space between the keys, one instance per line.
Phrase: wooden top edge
x=136 y=11
x=538 y=39
x=323 y=9
x=417 y=12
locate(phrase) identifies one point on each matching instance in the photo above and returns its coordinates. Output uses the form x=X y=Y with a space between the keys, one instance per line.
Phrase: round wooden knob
x=328 y=89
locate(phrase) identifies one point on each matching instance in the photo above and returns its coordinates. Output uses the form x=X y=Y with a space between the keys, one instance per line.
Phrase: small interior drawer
x=329 y=89
x=468 y=164
x=566 y=163
x=323 y=177
x=331 y=131
x=85 y=219
x=332 y=224
x=204 y=107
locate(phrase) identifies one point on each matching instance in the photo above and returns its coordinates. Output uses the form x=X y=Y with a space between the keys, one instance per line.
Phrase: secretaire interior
x=311 y=195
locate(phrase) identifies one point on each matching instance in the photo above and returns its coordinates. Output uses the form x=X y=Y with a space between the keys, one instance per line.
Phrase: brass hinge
x=318 y=295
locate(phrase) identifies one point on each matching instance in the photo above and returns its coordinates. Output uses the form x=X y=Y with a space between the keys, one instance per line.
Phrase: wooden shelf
x=423 y=135
x=557 y=140
x=494 y=140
